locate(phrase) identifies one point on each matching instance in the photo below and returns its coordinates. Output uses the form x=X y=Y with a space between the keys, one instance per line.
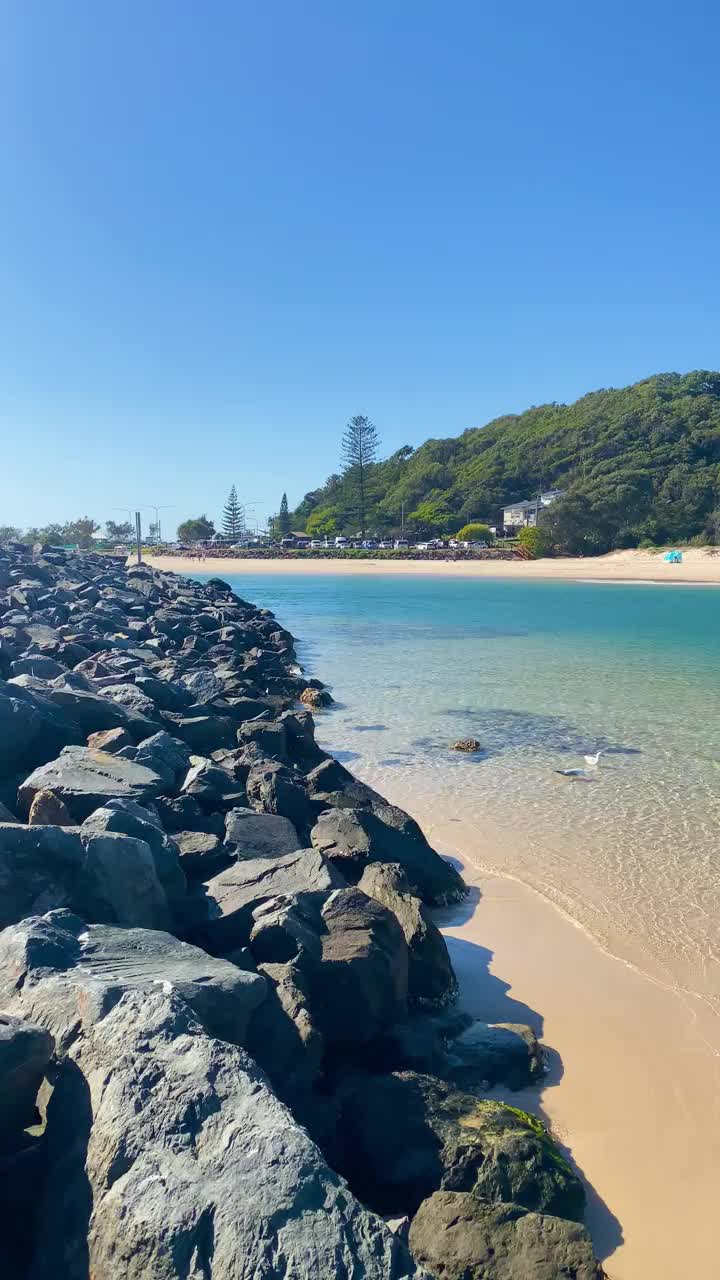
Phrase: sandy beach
x=700 y=565
x=633 y=1086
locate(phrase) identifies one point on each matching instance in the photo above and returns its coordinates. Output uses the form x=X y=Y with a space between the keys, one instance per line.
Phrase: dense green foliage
x=196 y=530
x=75 y=533
x=641 y=463
x=537 y=540
x=475 y=532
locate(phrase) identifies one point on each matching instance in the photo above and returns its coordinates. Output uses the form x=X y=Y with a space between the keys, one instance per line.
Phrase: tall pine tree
x=283 y=520
x=360 y=444
x=233 y=517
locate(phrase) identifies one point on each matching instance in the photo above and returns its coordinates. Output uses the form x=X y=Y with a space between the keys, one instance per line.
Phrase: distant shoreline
x=700 y=567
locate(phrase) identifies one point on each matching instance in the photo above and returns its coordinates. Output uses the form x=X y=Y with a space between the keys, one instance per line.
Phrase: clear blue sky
x=227 y=227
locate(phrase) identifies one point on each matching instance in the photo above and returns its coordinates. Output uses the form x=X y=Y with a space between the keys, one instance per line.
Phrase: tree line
x=638 y=465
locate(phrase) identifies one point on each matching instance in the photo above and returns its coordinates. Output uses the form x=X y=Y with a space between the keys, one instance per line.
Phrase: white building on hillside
x=520 y=514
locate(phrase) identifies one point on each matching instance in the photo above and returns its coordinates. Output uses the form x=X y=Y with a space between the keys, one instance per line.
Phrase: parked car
x=478 y=544
x=401 y=544
x=369 y=545
x=385 y=546
x=422 y=546
x=341 y=543
x=287 y=542
x=316 y=544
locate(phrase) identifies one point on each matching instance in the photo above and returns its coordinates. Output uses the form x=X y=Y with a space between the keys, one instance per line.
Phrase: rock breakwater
x=227 y=1040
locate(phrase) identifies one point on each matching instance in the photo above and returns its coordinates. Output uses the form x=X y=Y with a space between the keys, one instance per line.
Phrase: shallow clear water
x=541 y=673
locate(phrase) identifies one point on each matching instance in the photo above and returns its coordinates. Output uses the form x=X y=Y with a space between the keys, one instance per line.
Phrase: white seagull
x=594 y=760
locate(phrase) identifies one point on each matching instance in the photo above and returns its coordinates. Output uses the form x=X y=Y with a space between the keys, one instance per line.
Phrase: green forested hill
x=638 y=463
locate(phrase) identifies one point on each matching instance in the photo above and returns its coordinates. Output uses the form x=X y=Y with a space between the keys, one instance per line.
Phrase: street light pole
x=153 y=506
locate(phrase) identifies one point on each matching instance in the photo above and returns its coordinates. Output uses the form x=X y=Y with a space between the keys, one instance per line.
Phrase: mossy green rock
x=407 y=1135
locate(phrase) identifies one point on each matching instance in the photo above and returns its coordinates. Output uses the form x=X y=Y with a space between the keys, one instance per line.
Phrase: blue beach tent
x=673 y=557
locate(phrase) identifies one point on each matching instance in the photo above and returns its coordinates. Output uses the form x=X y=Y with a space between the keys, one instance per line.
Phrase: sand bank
x=633 y=1089
x=700 y=565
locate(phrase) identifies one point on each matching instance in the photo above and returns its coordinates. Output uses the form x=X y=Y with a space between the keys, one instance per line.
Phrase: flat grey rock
x=260 y=835
x=233 y=895
x=84 y=779
x=65 y=973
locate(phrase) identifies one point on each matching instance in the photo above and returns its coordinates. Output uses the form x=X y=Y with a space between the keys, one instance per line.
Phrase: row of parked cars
x=371 y=544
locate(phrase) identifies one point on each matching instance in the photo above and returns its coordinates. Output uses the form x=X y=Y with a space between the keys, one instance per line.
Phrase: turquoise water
x=541 y=673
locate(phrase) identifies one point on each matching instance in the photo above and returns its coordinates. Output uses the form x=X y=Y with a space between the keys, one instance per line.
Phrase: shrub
x=536 y=540
x=475 y=532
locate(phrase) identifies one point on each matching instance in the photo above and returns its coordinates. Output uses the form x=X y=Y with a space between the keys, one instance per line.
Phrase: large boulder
x=25 y=1051
x=259 y=835
x=65 y=974
x=105 y=877
x=488 y=1053
x=202 y=854
x=203 y=733
x=233 y=895
x=171 y=1158
x=459 y=1237
x=431 y=979
x=360 y=986
x=131 y=819
x=85 y=779
x=93 y=712
x=32 y=730
x=272 y=788
x=407 y=1135
x=355 y=837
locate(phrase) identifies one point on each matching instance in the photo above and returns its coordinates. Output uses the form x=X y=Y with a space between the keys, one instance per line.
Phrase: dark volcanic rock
x=459 y=1237
x=259 y=835
x=407 y=1135
x=355 y=837
x=32 y=730
x=84 y=779
x=431 y=979
x=488 y=1053
x=131 y=819
x=233 y=895
x=271 y=788
x=202 y=854
x=110 y=878
x=360 y=987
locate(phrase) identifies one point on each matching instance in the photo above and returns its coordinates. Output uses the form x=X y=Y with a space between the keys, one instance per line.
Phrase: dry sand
x=633 y=1088
x=700 y=565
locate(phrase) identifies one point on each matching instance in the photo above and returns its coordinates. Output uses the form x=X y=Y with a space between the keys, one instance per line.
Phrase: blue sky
x=226 y=228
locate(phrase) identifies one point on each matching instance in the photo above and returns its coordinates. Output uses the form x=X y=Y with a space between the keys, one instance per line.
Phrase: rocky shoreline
x=228 y=1043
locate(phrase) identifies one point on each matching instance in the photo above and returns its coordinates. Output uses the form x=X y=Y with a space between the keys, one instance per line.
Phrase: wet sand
x=700 y=566
x=633 y=1087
